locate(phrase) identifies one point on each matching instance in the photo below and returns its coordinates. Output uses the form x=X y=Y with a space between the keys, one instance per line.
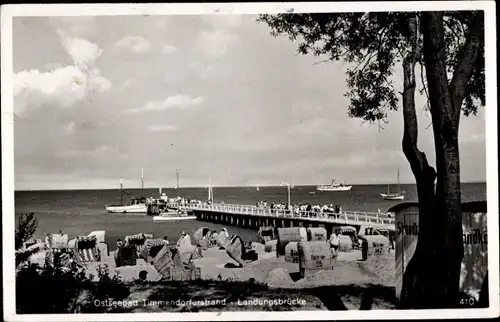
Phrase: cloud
x=135 y=44
x=70 y=127
x=61 y=86
x=163 y=128
x=81 y=51
x=97 y=152
x=81 y=26
x=203 y=70
x=216 y=43
x=127 y=83
x=177 y=101
x=51 y=66
x=168 y=49
x=223 y=21
x=220 y=34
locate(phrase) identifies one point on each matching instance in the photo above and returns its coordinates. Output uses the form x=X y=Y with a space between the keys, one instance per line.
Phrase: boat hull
x=173 y=218
x=139 y=208
x=393 y=197
x=343 y=188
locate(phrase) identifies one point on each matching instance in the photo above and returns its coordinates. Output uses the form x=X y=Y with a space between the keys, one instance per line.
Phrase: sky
x=99 y=98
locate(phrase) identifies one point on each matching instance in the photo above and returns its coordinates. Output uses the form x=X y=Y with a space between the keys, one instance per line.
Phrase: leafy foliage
x=26 y=228
x=54 y=288
x=374 y=43
x=49 y=289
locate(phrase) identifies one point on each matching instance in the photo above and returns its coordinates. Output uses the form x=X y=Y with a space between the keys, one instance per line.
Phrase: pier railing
x=348 y=217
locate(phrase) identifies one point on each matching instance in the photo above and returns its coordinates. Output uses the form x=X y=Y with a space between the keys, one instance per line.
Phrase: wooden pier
x=253 y=217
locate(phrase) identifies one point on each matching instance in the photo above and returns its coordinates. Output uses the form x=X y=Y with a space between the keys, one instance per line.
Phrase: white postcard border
x=8 y=118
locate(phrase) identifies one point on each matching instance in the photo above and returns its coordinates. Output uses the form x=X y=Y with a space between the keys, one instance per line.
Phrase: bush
x=26 y=227
x=49 y=289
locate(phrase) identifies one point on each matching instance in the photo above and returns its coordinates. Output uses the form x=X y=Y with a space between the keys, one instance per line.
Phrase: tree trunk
x=484 y=294
x=415 y=291
x=448 y=208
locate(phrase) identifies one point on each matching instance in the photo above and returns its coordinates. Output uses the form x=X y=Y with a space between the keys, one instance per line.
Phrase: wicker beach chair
x=135 y=240
x=62 y=257
x=86 y=250
x=58 y=241
x=150 y=249
x=126 y=256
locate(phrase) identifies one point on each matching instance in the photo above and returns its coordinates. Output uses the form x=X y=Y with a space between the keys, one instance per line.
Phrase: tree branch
x=410 y=136
x=457 y=36
x=365 y=62
x=422 y=79
x=465 y=69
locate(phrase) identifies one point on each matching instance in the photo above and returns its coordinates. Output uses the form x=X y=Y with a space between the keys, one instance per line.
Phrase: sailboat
x=136 y=205
x=177 y=176
x=210 y=192
x=394 y=195
x=258 y=188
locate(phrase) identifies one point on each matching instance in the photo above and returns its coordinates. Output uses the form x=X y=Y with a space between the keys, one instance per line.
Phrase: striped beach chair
x=32 y=242
x=151 y=248
x=163 y=262
x=62 y=257
x=86 y=250
x=135 y=240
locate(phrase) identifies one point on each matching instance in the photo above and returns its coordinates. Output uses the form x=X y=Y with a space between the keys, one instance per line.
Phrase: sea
x=79 y=212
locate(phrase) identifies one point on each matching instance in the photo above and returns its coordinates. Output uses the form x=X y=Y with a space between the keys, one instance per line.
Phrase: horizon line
x=223 y=186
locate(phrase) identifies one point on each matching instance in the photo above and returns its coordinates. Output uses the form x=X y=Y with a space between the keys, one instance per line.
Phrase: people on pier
x=324 y=211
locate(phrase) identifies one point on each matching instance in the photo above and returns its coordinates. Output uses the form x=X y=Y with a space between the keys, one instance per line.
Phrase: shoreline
x=223 y=187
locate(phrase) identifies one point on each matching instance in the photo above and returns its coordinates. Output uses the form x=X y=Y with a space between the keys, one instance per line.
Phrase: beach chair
x=62 y=257
x=151 y=248
x=200 y=237
x=135 y=240
x=58 y=241
x=100 y=235
x=126 y=256
x=86 y=250
x=236 y=250
x=163 y=262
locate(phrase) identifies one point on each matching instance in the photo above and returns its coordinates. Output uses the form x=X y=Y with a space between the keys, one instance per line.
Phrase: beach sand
x=341 y=288
x=378 y=270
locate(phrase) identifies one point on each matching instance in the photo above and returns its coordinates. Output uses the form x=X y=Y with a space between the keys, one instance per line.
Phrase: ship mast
x=142 y=178
x=177 y=175
x=210 y=192
x=121 y=191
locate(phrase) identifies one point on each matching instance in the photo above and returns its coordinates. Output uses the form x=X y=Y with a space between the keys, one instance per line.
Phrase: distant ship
x=177 y=176
x=136 y=205
x=333 y=187
x=171 y=215
x=394 y=195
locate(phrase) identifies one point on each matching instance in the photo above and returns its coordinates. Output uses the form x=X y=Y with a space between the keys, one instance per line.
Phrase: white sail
x=210 y=191
x=394 y=195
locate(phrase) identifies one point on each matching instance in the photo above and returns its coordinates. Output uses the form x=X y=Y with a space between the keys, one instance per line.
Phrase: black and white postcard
x=249 y=161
